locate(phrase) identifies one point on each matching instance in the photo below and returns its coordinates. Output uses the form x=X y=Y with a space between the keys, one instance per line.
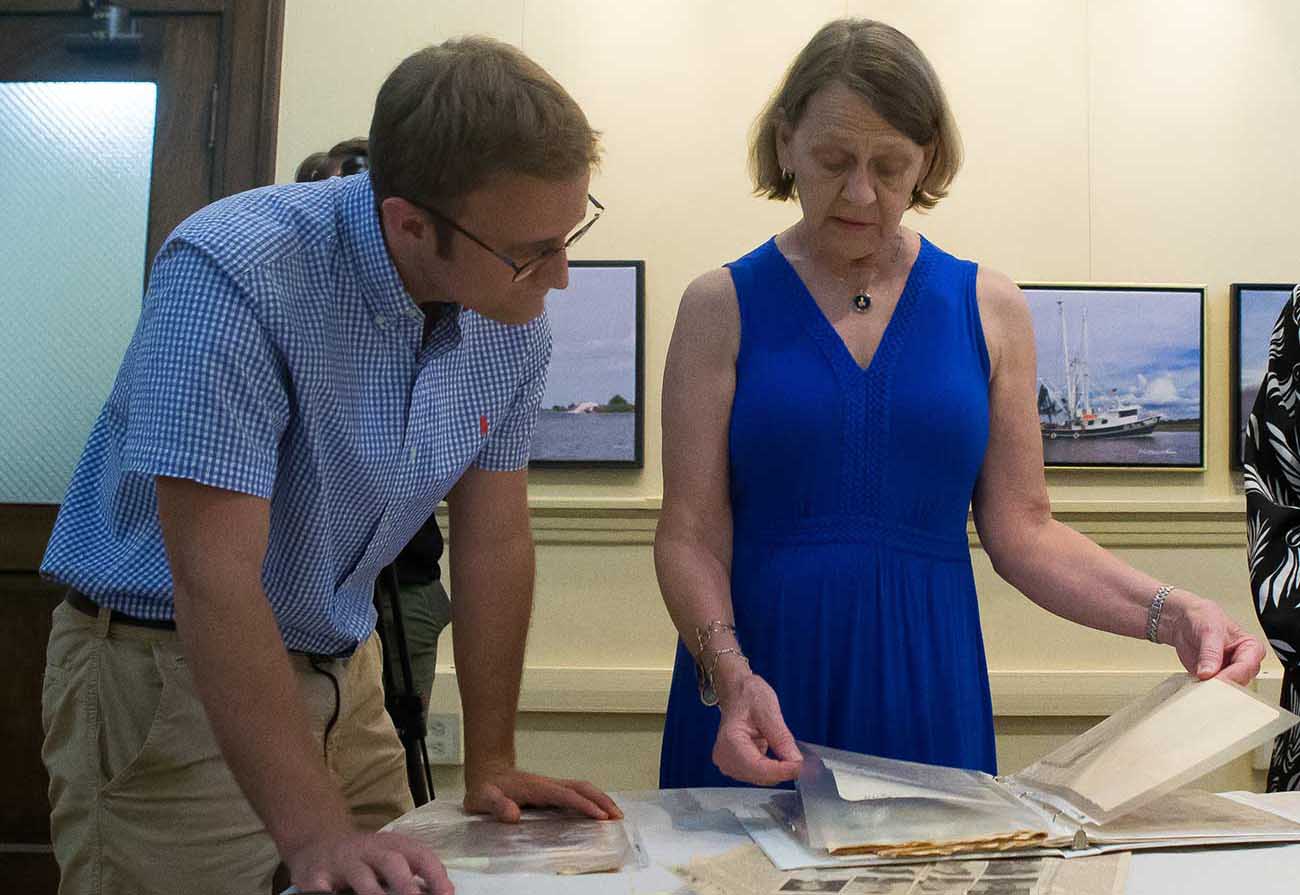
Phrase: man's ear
x=401 y=219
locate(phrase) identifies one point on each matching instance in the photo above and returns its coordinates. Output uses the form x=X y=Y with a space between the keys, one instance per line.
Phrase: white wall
x=1106 y=140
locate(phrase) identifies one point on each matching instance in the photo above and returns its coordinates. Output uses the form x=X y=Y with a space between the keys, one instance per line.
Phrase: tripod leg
x=393 y=702
x=412 y=707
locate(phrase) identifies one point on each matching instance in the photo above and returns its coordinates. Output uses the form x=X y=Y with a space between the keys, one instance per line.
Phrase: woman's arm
x=1053 y=565
x=693 y=541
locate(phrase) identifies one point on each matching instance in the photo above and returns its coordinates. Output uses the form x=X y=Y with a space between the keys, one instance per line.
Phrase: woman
x=1272 y=480
x=834 y=401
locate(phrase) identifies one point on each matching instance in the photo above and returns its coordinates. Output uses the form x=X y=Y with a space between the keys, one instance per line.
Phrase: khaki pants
x=141 y=799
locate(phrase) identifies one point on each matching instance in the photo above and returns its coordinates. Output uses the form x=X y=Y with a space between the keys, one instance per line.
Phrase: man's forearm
x=250 y=692
x=490 y=614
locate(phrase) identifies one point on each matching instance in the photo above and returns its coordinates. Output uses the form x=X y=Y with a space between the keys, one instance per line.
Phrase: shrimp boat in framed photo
x=1069 y=413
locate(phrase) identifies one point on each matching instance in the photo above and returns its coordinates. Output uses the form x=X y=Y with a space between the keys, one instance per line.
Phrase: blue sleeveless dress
x=851 y=574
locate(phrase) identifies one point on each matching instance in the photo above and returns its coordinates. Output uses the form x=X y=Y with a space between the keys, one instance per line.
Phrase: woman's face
x=854 y=172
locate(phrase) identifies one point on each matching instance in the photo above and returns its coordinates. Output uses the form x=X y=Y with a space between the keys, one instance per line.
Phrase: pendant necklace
x=862 y=298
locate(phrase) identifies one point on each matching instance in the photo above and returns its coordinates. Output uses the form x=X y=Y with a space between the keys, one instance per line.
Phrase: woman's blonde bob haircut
x=884 y=67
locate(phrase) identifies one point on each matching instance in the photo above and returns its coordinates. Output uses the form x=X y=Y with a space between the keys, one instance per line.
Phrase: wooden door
x=193 y=53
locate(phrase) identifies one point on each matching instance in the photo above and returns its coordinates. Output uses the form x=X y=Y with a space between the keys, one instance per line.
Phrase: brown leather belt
x=84 y=604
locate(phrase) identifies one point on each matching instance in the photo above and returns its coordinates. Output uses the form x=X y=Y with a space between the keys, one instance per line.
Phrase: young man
x=315 y=367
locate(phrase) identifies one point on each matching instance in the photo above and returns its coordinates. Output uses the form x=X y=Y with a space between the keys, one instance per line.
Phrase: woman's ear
x=927 y=165
x=927 y=162
x=784 y=134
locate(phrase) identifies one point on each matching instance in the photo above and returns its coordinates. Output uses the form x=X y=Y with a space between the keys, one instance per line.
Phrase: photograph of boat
x=1119 y=375
x=1255 y=310
x=1077 y=417
x=592 y=411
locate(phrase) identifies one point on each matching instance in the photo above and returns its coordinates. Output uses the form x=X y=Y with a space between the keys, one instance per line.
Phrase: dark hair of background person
x=344 y=158
x=352 y=155
x=317 y=166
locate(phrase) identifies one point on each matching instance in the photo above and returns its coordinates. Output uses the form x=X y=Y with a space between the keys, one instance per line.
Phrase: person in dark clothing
x=425 y=606
x=1272 y=484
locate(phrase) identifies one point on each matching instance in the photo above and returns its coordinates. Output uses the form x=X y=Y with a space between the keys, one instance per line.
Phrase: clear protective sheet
x=1185 y=819
x=1182 y=729
x=863 y=804
x=787 y=849
x=746 y=871
x=1194 y=815
x=542 y=842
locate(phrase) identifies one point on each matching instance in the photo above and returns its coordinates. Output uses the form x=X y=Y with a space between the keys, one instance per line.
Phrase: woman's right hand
x=751 y=726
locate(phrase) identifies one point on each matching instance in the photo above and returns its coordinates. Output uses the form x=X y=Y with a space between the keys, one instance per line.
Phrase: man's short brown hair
x=883 y=66
x=452 y=117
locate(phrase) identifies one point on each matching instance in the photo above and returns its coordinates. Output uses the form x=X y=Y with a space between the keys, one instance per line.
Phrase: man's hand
x=1209 y=643
x=368 y=864
x=751 y=724
x=502 y=792
x=492 y=565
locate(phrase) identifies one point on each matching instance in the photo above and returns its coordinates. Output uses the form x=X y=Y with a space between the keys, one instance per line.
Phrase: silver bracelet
x=704 y=676
x=1153 y=612
x=734 y=651
x=705 y=634
x=709 y=693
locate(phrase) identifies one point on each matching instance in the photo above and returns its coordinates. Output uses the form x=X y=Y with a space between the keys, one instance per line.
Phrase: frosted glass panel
x=74 y=193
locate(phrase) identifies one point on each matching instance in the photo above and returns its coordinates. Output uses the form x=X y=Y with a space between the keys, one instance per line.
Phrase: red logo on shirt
x=482 y=425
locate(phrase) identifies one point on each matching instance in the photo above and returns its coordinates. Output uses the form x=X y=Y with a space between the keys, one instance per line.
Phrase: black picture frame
x=576 y=379
x=1142 y=359
x=1249 y=351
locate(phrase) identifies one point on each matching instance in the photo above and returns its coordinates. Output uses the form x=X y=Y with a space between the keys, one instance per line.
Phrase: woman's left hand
x=1209 y=643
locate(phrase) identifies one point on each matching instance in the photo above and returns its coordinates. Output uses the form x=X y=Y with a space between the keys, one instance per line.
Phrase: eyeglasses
x=529 y=267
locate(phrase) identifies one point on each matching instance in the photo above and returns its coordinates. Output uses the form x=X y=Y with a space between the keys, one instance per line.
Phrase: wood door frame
x=252 y=37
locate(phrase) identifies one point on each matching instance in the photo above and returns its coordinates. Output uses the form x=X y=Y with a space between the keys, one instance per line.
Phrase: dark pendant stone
x=861 y=302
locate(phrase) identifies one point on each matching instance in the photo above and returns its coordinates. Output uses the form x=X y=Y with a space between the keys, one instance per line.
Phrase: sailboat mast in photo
x=1120 y=420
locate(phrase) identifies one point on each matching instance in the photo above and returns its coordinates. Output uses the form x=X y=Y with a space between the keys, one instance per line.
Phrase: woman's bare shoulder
x=708 y=308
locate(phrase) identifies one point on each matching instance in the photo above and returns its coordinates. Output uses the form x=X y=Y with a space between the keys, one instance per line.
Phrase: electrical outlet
x=442 y=739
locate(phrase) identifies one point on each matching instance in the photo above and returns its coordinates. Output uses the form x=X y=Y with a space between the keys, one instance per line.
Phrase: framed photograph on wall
x=1120 y=374
x=1255 y=309
x=593 y=411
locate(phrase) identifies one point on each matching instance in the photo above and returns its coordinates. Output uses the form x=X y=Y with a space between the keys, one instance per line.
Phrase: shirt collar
x=390 y=303
x=359 y=226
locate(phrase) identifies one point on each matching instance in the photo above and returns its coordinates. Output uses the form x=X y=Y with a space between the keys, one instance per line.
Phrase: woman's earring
x=787 y=174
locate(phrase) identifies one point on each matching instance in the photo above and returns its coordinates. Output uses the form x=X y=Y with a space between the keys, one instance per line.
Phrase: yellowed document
x=746 y=871
x=1197 y=723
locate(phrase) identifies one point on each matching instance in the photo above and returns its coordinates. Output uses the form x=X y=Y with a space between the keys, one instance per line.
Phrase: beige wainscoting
x=601 y=644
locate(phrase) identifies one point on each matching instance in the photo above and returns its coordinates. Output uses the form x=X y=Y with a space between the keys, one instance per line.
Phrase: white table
x=676 y=825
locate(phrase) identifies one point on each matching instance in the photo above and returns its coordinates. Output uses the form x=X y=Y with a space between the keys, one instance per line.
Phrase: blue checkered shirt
x=279 y=355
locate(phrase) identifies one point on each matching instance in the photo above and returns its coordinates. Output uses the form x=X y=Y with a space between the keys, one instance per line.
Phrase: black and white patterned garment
x=1272 y=481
